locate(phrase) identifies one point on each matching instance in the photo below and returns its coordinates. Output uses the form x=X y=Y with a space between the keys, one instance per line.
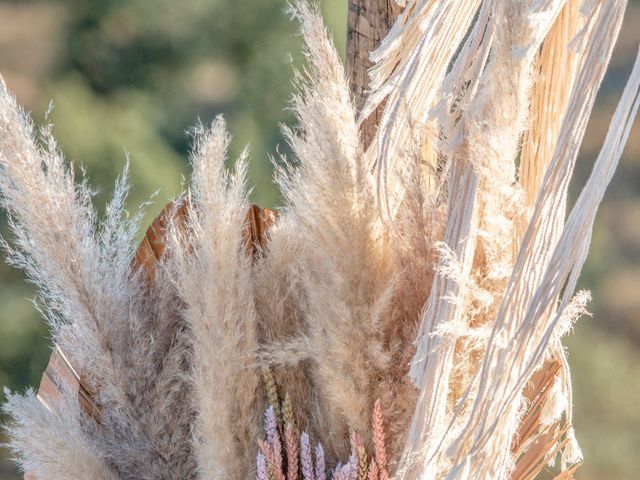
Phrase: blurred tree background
x=131 y=77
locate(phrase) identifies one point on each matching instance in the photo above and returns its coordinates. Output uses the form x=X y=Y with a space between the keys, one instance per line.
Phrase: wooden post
x=368 y=22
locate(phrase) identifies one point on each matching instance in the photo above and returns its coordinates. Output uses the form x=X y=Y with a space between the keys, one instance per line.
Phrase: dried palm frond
x=469 y=436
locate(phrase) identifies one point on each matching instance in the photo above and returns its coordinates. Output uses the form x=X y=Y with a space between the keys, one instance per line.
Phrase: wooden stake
x=368 y=22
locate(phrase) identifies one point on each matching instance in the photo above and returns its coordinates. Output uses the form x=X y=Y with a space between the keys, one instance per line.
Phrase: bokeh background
x=133 y=76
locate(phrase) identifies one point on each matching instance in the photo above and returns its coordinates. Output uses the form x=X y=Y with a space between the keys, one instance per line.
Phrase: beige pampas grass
x=213 y=279
x=369 y=293
x=101 y=313
x=51 y=444
x=427 y=279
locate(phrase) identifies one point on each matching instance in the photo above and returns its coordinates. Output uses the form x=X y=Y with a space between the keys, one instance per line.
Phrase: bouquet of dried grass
x=399 y=317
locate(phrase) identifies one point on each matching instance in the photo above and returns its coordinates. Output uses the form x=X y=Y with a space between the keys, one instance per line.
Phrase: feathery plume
x=52 y=444
x=212 y=268
x=97 y=307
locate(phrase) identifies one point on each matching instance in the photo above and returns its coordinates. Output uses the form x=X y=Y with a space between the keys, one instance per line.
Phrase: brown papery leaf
x=536 y=444
x=153 y=247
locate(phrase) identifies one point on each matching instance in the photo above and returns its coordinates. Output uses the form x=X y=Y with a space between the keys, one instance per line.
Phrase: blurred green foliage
x=134 y=76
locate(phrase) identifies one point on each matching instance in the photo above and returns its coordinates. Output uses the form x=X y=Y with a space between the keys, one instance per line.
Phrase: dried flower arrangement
x=425 y=271
x=286 y=454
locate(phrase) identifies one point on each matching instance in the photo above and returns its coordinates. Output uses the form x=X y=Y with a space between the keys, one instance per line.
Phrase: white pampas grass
x=213 y=278
x=99 y=310
x=52 y=445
